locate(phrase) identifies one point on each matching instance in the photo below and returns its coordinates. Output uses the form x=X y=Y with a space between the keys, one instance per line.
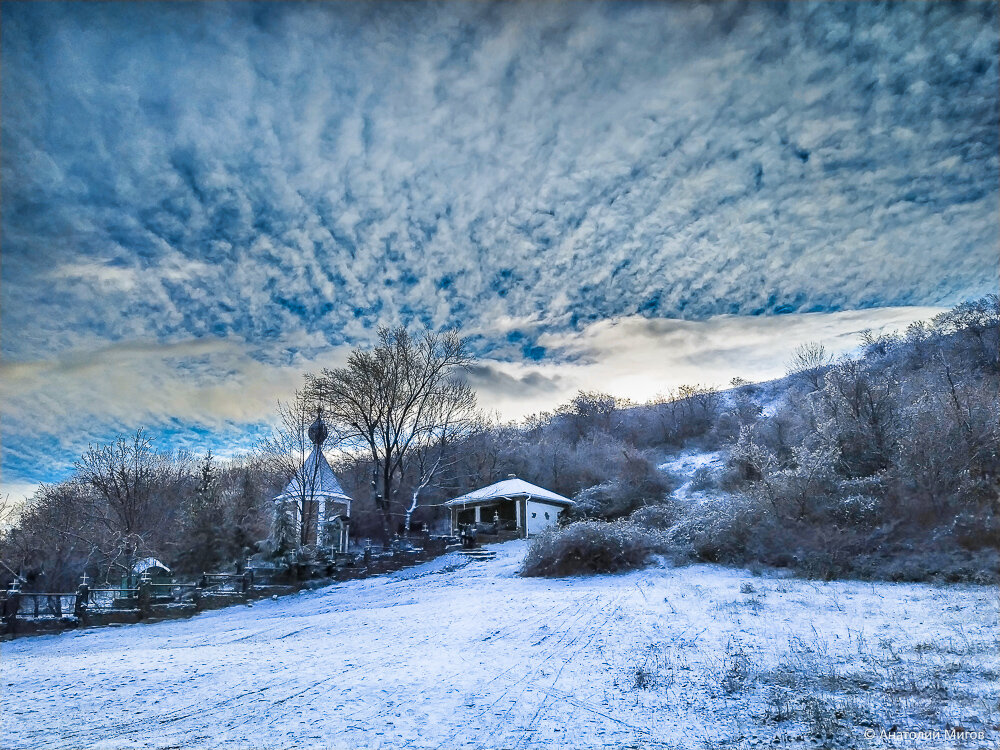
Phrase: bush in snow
x=658 y=517
x=637 y=484
x=704 y=478
x=590 y=547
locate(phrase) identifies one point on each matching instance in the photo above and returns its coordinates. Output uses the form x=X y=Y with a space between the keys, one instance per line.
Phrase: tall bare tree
x=130 y=482
x=123 y=473
x=394 y=398
x=809 y=361
x=434 y=455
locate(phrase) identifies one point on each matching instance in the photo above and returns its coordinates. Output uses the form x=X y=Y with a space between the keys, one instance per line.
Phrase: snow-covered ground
x=470 y=655
x=683 y=467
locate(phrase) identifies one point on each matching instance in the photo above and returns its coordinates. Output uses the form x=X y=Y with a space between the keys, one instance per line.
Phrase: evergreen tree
x=283 y=535
x=202 y=521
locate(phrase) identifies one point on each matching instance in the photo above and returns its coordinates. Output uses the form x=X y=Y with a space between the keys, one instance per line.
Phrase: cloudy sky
x=203 y=201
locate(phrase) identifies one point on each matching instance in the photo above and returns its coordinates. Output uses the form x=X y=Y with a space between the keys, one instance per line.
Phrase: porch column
x=320 y=521
x=517 y=515
x=477 y=513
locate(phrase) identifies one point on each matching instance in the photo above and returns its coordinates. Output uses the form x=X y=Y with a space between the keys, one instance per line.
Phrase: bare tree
x=487 y=451
x=687 y=410
x=431 y=457
x=860 y=406
x=588 y=411
x=122 y=473
x=809 y=360
x=395 y=397
x=427 y=473
x=8 y=512
x=7 y=532
x=129 y=481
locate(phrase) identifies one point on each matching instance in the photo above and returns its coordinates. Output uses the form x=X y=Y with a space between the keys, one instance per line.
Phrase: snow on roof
x=508 y=488
x=315 y=479
x=150 y=562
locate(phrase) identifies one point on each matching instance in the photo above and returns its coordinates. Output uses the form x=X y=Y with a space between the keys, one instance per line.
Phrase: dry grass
x=817 y=693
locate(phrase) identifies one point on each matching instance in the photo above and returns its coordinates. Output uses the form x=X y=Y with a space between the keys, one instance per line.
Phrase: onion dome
x=318 y=431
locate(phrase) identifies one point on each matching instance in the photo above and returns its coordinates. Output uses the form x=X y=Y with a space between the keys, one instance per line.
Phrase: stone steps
x=477 y=554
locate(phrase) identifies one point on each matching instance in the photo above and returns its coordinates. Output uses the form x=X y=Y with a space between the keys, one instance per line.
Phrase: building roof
x=509 y=488
x=148 y=564
x=314 y=480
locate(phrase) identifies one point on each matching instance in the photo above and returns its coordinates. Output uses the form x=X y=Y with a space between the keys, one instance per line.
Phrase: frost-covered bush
x=660 y=517
x=857 y=510
x=608 y=500
x=718 y=532
x=637 y=483
x=704 y=478
x=588 y=547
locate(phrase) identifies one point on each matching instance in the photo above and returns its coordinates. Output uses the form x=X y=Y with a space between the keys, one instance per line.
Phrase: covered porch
x=511 y=506
x=505 y=512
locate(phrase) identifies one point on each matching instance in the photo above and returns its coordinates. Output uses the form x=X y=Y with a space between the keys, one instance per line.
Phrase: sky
x=202 y=202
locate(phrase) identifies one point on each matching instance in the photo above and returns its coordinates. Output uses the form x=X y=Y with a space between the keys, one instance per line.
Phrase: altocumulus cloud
x=272 y=181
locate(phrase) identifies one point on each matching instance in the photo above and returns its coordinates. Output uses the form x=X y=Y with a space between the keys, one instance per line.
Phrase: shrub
x=719 y=532
x=704 y=478
x=607 y=500
x=737 y=669
x=659 y=517
x=588 y=547
x=638 y=483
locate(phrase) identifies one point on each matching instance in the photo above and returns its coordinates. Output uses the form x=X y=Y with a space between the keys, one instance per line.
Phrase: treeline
x=126 y=501
x=881 y=465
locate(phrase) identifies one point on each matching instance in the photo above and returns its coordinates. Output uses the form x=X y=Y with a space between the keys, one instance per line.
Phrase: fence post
x=196 y=594
x=11 y=604
x=80 y=605
x=145 y=595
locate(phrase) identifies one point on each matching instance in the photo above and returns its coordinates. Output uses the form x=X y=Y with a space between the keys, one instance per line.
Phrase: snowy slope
x=469 y=655
x=683 y=466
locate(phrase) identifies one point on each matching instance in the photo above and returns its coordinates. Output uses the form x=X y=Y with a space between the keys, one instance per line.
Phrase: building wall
x=535 y=516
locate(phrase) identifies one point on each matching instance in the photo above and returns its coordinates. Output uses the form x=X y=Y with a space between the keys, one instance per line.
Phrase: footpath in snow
x=454 y=654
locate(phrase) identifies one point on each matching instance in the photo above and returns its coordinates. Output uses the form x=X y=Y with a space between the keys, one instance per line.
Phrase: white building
x=314 y=499
x=518 y=505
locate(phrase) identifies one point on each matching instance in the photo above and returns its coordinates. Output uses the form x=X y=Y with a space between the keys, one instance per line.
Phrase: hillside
x=471 y=655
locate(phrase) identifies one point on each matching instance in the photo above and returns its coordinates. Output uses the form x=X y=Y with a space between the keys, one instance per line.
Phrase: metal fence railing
x=38 y=605
x=142 y=593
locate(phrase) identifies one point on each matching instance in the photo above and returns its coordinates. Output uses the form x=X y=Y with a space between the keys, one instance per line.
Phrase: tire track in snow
x=206 y=715
x=549 y=691
x=525 y=681
x=558 y=622
x=132 y=726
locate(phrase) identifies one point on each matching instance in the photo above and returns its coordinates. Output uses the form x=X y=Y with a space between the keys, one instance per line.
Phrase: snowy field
x=450 y=655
